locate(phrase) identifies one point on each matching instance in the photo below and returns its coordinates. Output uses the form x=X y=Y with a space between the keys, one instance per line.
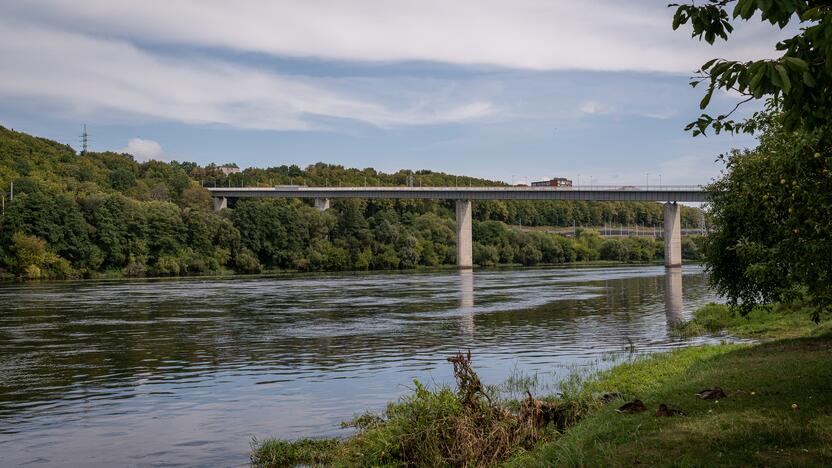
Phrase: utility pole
x=84 y=140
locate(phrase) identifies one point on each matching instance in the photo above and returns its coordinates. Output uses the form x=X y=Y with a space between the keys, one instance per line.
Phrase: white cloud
x=593 y=108
x=144 y=150
x=526 y=34
x=85 y=74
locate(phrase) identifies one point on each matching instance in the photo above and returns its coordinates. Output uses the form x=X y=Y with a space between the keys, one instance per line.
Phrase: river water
x=188 y=371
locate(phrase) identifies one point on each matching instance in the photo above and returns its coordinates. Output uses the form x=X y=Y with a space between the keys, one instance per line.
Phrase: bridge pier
x=672 y=235
x=220 y=203
x=322 y=204
x=464 y=241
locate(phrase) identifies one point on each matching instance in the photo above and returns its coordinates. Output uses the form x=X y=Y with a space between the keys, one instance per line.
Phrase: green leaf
x=755 y=80
x=747 y=10
x=796 y=64
x=764 y=5
x=705 y=100
x=808 y=79
x=708 y=64
x=784 y=78
x=739 y=7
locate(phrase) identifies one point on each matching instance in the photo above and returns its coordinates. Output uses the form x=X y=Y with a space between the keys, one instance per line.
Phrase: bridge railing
x=634 y=188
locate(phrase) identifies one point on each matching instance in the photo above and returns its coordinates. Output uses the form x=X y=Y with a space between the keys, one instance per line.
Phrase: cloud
x=84 y=74
x=609 y=35
x=593 y=108
x=144 y=150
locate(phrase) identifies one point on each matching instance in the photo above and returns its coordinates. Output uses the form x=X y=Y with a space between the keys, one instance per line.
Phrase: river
x=188 y=371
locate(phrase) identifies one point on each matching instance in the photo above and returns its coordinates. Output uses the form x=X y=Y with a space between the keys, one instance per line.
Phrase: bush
x=614 y=249
x=486 y=255
x=530 y=255
x=246 y=262
x=443 y=427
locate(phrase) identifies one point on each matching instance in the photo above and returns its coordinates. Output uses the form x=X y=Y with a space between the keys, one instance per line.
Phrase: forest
x=102 y=214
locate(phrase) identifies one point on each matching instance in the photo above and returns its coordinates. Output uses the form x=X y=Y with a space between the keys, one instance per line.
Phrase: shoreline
x=278 y=272
x=755 y=378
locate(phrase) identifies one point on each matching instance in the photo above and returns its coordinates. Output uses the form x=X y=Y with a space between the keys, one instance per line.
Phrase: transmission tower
x=84 y=140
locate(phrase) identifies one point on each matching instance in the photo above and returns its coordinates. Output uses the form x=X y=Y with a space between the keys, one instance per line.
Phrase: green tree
x=770 y=237
x=795 y=85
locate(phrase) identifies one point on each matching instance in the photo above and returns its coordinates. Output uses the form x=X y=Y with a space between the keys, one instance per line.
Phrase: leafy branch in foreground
x=795 y=85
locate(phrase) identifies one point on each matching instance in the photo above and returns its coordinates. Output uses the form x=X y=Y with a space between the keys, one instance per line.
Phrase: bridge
x=463 y=196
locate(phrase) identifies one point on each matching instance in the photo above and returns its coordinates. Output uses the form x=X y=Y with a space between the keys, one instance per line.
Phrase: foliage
x=30 y=258
x=795 y=85
x=441 y=427
x=104 y=213
x=279 y=453
x=770 y=321
x=772 y=240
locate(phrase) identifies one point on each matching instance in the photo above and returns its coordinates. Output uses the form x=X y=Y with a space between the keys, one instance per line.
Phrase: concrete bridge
x=465 y=195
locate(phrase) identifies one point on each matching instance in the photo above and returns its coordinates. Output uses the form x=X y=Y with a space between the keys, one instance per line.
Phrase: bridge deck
x=688 y=193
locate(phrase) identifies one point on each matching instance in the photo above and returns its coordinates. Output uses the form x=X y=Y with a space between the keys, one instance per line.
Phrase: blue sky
x=505 y=90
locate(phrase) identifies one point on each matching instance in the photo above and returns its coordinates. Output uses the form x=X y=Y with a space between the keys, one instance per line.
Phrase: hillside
x=104 y=213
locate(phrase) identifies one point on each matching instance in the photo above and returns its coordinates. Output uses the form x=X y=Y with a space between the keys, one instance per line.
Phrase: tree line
x=105 y=213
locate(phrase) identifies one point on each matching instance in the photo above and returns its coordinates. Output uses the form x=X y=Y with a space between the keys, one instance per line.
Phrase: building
x=555 y=182
x=230 y=170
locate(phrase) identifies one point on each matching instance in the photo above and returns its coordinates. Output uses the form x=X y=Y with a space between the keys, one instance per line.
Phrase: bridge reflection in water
x=466 y=301
x=674 y=305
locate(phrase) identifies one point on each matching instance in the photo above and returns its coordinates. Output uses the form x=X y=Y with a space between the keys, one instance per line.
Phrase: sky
x=519 y=90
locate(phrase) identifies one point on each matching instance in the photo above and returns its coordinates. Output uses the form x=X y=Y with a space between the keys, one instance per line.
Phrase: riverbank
x=6 y=277
x=777 y=411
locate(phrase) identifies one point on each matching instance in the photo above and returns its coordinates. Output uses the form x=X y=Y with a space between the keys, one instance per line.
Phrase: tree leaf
x=786 y=84
x=796 y=64
x=808 y=79
x=708 y=64
x=705 y=100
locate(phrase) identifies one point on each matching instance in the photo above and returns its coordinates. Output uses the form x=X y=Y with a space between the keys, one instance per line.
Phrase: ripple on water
x=187 y=371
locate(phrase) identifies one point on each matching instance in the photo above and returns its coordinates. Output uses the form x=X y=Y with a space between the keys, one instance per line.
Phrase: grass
x=778 y=411
x=464 y=426
x=763 y=322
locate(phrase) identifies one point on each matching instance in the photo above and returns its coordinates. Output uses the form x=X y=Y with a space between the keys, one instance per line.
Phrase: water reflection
x=187 y=371
x=466 y=302
x=673 y=301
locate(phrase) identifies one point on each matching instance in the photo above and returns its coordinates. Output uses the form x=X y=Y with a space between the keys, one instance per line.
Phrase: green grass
x=275 y=452
x=763 y=322
x=755 y=425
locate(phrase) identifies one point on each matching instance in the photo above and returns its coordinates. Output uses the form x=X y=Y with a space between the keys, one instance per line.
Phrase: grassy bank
x=778 y=411
x=763 y=322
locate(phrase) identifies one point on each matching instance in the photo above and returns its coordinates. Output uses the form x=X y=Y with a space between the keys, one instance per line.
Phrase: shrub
x=486 y=255
x=530 y=255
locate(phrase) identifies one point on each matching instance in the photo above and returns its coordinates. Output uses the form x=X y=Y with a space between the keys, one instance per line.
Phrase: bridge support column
x=464 y=242
x=220 y=203
x=672 y=235
x=322 y=204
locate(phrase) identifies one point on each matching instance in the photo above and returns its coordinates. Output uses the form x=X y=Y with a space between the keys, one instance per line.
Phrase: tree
x=770 y=210
x=614 y=249
x=29 y=257
x=530 y=255
x=486 y=255
x=796 y=84
x=772 y=239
